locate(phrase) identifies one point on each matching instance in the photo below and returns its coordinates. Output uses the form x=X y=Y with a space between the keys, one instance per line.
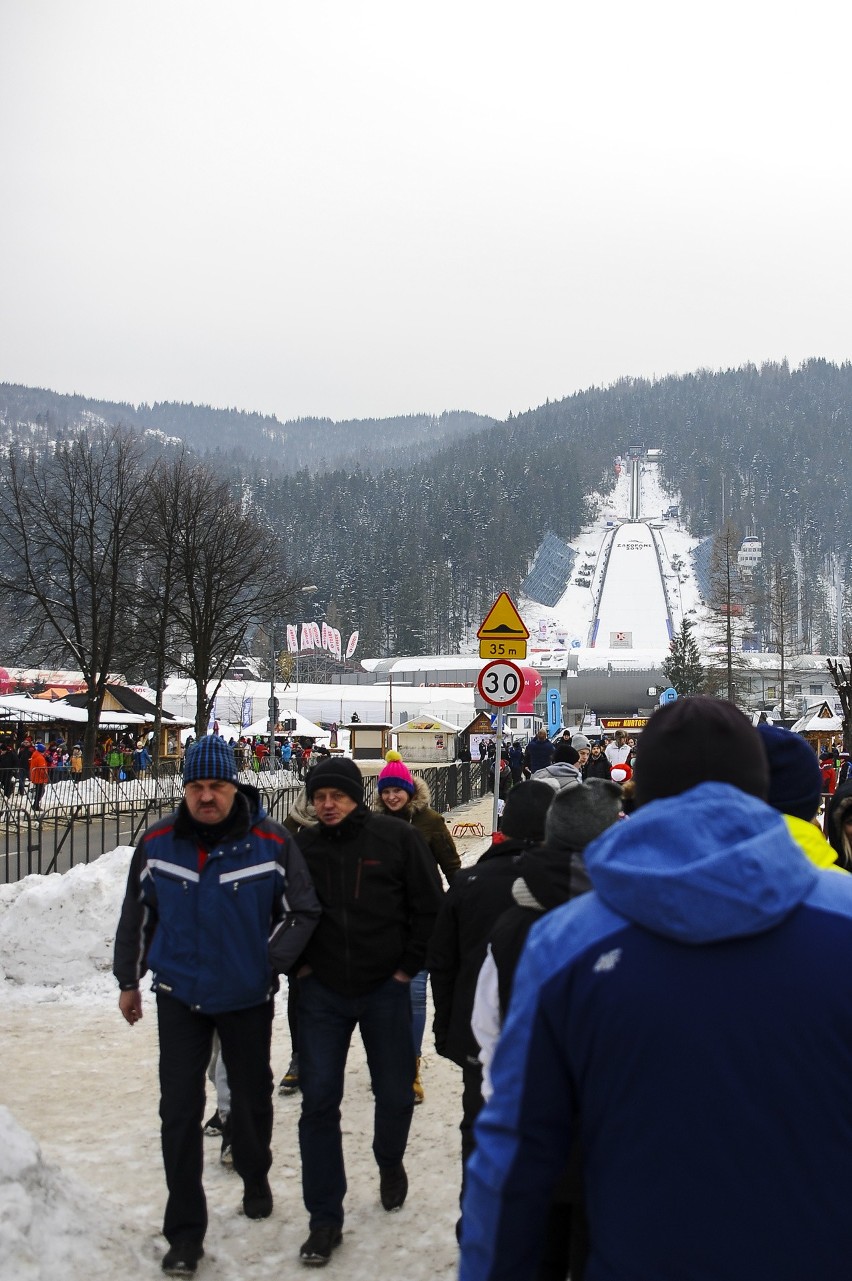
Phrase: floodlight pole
x=271 y=721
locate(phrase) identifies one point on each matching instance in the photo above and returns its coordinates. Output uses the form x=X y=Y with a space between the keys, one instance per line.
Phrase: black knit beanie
x=699 y=740
x=525 y=810
x=565 y=753
x=339 y=772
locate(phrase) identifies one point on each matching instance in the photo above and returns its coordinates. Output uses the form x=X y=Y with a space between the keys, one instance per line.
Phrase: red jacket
x=38 y=768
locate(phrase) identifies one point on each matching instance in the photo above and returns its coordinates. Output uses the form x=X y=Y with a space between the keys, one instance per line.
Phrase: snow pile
x=57 y=932
x=50 y=1226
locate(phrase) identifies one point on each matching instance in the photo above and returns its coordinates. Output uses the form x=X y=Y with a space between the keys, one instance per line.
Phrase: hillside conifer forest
x=409 y=527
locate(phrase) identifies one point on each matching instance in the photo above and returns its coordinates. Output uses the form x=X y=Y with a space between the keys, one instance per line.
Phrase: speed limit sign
x=501 y=682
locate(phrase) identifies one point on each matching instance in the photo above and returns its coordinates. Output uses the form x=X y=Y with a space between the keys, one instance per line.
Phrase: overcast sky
x=366 y=207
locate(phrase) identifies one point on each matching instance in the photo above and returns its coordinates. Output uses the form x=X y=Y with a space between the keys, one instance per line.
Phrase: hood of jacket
x=712 y=863
x=420 y=800
x=549 y=877
x=558 y=775
x=301 y=812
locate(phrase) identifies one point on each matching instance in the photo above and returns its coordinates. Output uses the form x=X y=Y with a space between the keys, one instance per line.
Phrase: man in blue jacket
x=690 y=1021
x=218 y=902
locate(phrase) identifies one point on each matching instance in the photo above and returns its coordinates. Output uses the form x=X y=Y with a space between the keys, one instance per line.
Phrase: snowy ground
x=569 y=622
x=81 y=1183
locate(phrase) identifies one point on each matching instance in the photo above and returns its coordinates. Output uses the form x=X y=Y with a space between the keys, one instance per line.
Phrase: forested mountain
x=241 y=439
x=410 y=527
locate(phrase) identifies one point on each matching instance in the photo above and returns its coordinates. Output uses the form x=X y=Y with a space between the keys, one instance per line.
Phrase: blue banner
x=554 y=713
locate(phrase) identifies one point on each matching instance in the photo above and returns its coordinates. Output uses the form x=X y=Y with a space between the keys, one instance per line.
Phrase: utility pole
x=273 y=701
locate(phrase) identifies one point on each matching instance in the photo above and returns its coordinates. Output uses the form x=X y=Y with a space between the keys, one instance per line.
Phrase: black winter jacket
x=474 y=901
x=380 y=891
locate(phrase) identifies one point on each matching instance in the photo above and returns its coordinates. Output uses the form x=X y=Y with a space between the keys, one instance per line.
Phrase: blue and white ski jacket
x=208 y=935
x=691 y=1021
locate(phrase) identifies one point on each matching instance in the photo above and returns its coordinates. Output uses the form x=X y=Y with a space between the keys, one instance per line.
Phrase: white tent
x=304 y=727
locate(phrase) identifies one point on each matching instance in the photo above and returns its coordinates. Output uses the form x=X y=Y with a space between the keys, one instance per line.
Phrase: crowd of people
x=294 y=755
x=27 y=765
x=642 y=981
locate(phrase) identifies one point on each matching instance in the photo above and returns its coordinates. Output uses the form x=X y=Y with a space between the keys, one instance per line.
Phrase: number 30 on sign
x=501 y=683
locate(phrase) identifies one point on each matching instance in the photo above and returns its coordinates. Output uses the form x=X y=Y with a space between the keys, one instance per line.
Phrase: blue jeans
x=418 y=1010
x=326 y=1023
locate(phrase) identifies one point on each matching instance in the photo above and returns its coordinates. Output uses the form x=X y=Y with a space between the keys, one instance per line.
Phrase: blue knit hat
x=795 y=781
x=209 y=757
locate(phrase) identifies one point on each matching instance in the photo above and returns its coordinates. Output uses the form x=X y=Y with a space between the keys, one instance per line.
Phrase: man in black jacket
x=476 y=898
x=597 y=765
x=380 y=892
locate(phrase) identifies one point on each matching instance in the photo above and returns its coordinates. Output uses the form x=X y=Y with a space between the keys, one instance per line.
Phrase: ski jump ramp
x=632 y=609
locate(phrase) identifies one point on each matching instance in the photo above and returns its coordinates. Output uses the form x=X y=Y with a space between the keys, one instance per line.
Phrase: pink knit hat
x=395 y=774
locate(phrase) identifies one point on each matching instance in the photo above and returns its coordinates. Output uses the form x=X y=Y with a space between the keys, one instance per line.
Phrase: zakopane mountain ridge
x=411 y=526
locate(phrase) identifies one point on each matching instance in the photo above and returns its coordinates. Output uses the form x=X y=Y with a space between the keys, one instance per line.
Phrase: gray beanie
x=579 y=814
x=580 y=743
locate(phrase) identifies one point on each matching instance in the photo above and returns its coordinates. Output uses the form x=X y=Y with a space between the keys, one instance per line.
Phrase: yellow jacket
x=812 y=843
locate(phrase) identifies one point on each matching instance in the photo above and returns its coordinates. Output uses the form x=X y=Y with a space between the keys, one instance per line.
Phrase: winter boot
x=290 y=1079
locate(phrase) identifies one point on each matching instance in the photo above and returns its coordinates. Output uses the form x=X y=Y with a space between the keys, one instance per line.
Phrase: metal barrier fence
x=77 y=822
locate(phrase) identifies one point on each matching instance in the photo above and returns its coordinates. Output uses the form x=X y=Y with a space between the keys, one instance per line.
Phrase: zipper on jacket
x=348 y=956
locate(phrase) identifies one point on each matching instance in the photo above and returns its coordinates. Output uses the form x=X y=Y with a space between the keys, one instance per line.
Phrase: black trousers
x=186 y=1039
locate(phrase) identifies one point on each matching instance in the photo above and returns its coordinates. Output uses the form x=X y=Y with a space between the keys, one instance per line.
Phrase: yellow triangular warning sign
x=503 y=621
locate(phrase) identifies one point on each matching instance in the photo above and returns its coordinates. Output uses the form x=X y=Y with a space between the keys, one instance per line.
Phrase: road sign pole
x=498 y=750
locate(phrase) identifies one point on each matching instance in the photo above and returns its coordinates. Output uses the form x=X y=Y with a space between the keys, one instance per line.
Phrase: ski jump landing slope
x=632 y=610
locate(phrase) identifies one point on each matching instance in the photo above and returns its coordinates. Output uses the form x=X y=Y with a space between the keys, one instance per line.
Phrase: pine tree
x=683 y=668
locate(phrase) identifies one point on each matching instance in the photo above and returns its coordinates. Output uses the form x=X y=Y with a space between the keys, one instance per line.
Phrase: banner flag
x=307 y=636
x=352 y=645
x=292 y=640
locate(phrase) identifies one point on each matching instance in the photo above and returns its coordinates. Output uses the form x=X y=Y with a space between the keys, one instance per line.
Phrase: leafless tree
x=66 y=563
x=727 y=604
x=842 y=680
x=228 y=575
x=781 y=617
x=159 y=577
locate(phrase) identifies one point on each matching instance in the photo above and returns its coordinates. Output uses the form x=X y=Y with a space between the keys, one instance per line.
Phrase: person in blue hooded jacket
x=218 y=902
x=690 y=1022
